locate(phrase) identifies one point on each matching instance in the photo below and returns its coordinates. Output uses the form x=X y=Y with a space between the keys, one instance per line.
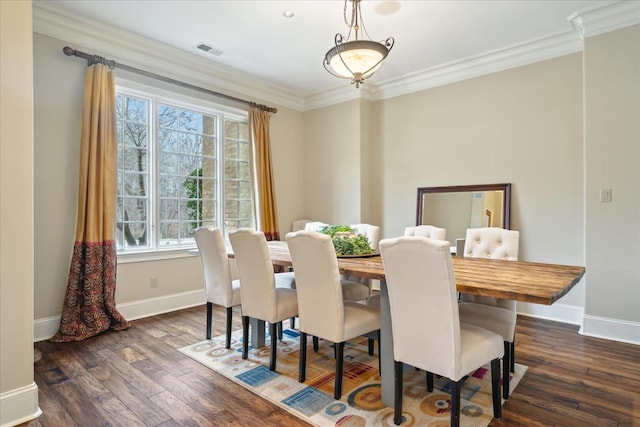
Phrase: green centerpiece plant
x=347 y=241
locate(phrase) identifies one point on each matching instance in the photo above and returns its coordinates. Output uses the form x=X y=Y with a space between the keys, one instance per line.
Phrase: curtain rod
x=95 y=59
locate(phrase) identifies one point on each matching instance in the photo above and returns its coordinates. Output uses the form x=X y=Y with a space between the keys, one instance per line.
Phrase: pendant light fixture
x=356 y=59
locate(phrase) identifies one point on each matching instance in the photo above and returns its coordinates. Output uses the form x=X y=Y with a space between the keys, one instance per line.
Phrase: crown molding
x=150 y=55
x=599 y=20
x=338 y=95
x=156 y=57
x=604 y=17
x=491 y=62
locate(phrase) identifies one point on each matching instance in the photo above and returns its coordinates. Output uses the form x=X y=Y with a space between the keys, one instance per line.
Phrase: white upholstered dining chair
x=314 y=225
x=261 y=298
x=429 y=231
x=299 y=224
x=427 y=332
x=353 y=288
x=371 y=231
x=497 y=315
x=323 y=312
x=373 y=235
x=221 y=288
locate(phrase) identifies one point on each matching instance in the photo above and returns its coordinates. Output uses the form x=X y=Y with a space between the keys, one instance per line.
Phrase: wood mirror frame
x=506 y=199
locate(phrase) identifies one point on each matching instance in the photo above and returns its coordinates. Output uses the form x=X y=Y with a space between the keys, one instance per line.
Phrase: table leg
x=256 y=333
x=386 y=346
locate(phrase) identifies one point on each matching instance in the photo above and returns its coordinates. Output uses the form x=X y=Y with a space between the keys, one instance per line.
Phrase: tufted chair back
x=491 y=242
x=314 y=225
x=427 y=231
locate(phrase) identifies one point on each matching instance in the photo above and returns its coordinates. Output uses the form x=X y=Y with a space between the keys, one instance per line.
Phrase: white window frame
x=157 y=96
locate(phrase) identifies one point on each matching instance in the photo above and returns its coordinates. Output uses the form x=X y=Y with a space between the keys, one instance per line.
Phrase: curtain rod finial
x=68 y=51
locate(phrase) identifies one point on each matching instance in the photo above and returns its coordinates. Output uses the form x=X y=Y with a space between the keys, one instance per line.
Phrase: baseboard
x=19 y=406
x=164 y=304
x=611 y=329
x=558 y=312
x=45 y=328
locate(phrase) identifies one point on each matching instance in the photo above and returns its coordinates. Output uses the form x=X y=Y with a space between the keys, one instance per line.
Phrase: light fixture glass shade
x=356 y=58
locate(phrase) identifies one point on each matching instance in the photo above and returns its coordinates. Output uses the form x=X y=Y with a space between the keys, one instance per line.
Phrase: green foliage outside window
x=193 y=186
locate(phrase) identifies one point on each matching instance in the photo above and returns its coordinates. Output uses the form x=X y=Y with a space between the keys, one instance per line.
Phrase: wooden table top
x=515 y=280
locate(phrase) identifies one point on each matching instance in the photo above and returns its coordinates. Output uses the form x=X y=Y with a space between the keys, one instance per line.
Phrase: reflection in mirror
x=457 y=208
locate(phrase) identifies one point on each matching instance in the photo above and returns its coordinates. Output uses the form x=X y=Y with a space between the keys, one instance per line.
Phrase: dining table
x=531 y=282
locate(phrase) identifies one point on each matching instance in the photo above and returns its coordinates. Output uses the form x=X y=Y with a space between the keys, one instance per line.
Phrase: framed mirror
x=457 y=208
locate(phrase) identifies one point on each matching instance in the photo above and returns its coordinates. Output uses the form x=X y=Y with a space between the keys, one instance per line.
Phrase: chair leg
x=429 y=381
x=370 y=346
x=279 y=330
x=513 y=355
x=274 y=343
x=292 y=323
x=337 y=390
x=302 y=367
x=455 y=403
x=245 y=336
x=209 y=318
x=229 y=318
x=495 y=388
x=316 y=344
x=506 y=364
x=398 y=368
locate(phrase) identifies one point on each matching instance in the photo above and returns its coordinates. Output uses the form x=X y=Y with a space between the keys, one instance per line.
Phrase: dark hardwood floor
x=137 y=378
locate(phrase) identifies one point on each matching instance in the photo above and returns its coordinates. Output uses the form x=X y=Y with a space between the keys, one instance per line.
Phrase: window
x=173 y=174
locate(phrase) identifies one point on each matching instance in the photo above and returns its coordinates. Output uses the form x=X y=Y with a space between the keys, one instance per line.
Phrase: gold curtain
x=89 y=304
x=267 y=213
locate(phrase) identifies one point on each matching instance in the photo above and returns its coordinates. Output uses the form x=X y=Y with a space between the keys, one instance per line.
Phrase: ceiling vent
x=209 y=49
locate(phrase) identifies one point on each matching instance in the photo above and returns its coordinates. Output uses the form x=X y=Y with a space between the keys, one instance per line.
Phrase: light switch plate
x=605 y=194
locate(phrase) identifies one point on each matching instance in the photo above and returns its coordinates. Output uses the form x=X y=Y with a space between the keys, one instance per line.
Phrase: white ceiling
x=257 y=39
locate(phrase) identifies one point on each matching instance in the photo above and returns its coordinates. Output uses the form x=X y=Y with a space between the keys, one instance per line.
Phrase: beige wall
x=332 y=163
x=287 y=142
x=18 y=392
x=532 y=127
x=612 y=158
x=58 y=108
x=522 y=126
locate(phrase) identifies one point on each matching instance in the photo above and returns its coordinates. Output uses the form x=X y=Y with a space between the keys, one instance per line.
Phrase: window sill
x=126 y=258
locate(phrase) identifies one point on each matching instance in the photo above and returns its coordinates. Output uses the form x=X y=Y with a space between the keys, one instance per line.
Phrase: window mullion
x=220 y=178
x=154 y=199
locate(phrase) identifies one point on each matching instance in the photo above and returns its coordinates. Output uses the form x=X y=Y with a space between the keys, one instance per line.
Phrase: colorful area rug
x=361 y=403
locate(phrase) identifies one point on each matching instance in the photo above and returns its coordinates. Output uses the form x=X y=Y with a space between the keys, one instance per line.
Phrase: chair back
x=314 y=225
x=427 y=231
x=257 y=280
x=215 y=264
x=424 y=307
x=299 y=224
x=491 y=242
x=320 y=302
x=371 y=231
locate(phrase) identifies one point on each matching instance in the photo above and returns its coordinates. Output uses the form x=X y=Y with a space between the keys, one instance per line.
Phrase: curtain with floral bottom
x=89 y=305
